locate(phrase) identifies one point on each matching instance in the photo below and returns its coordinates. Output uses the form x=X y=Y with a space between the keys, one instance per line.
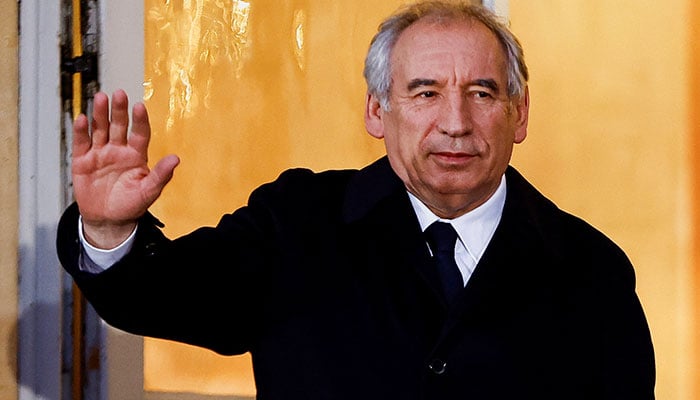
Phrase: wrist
x=106 y=236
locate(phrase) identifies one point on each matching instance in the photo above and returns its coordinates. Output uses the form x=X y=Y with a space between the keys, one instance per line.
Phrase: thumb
x=159 y=176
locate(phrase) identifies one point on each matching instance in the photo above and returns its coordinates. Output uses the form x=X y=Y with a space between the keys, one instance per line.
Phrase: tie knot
x=441 y=237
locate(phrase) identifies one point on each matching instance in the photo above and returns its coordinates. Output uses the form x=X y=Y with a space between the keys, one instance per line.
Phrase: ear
x=522 y=109
x=373 y=117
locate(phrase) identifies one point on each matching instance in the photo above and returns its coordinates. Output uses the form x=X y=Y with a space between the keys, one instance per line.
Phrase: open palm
x=112 y=182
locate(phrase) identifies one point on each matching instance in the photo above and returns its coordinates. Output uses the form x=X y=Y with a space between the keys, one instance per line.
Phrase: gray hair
x=377 y=70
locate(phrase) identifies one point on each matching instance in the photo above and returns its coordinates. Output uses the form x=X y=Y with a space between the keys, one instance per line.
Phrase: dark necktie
x=442 y=238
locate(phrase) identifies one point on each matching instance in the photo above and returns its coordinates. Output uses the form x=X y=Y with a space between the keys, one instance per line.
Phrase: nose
x=455 y=117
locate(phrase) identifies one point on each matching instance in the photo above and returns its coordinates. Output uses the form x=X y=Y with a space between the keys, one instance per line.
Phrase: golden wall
x=245 y=90
x=9 y=134
x=694 y=91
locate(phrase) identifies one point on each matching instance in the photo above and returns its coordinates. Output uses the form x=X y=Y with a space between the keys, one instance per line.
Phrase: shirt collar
x=474 y=228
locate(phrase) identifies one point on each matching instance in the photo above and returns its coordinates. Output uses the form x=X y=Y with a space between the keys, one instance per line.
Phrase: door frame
x=41 y=200
x=121 y=63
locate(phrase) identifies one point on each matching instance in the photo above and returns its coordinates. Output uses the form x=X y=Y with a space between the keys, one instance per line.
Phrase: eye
x=481 y=97
x=427 y=94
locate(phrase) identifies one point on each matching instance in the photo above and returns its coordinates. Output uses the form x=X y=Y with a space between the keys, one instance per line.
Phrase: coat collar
x=368 y=188
x=378 y=181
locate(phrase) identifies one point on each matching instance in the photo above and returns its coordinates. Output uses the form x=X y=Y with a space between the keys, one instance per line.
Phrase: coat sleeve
x=628 y=370
x=202 y=289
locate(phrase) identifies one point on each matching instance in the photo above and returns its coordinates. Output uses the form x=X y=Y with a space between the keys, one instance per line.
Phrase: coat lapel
x=511 y=265
x=377 y=202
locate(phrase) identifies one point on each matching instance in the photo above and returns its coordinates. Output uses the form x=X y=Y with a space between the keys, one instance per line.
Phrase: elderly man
x=437 y=272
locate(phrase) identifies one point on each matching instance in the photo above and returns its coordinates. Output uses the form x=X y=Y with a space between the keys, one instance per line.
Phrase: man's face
x=450 y=128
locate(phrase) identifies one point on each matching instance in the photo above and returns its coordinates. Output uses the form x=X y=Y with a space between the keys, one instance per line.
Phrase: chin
x=458 y=184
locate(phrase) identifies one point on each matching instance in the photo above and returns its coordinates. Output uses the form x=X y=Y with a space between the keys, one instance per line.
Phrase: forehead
x=461 y=47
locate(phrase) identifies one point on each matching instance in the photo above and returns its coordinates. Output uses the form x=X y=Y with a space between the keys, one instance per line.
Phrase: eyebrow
x=487 y=83
x=419 y=82
x=416 y=83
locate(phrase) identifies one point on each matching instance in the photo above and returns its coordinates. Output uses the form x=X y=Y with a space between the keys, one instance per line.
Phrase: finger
x=119 y=125
x=140 y=129
x=100 y=120
x=81 y=136
x=159 y=176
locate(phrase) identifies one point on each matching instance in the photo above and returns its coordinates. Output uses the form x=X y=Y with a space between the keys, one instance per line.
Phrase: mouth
x=452 y=159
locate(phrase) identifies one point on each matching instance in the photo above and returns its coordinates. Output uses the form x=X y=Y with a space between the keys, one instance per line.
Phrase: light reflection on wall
x=193 y=37
x=299 y=22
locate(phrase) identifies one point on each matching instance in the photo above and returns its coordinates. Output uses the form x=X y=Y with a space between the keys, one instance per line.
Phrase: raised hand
x=112 y=182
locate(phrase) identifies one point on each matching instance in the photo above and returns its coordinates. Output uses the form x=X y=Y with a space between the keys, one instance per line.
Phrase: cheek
x=498 y=132
x=408 y=132
x=405 y=138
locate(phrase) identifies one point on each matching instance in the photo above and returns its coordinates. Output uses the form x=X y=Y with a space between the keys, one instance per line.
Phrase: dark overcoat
x=326 y=279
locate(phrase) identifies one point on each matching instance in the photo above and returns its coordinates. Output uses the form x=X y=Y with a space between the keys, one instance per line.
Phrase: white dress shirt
x=99 y=260
x=474 y=229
